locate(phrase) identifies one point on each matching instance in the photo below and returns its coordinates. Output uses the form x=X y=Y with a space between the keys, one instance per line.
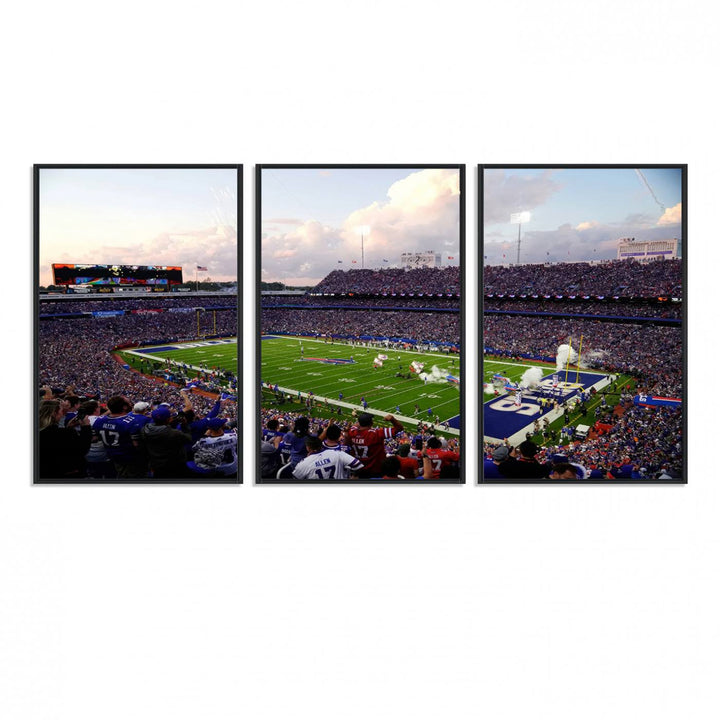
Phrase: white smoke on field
x=436 y=375
x=531 y=378
x=593 y=359
x=565 y=354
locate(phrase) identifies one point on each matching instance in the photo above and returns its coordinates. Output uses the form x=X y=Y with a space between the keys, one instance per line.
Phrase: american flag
x=201 y=268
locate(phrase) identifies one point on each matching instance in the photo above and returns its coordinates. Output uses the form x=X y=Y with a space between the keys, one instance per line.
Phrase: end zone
x=502 y=418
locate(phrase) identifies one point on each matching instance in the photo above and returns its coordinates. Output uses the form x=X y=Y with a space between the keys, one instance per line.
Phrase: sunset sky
x=183 y=217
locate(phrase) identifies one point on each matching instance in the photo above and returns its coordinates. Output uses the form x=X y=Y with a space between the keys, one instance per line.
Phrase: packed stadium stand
x=427 y=281
x=372 y=303
x=630 y=318
x=77 y=342
x=622 y=278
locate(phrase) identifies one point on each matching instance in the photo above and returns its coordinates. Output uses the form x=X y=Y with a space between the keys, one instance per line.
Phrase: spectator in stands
x=491 y=465
x=564 y=471
x=438 y=462
x=368 y=443
x=62 y=450
x=215 y=454
x=526 y=467
x=391 y=468
x=165 y=445
x=408 y=466
x=293 y=443
x=324 y=464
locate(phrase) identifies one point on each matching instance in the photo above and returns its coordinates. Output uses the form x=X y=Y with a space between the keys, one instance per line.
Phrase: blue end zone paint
x=502 y=418
x=454 y=422
x=151 y=351
x=328 y=361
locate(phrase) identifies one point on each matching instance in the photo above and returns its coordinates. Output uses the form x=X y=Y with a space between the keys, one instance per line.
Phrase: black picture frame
x=258 y=329
x=37 y=169
x=481 y=308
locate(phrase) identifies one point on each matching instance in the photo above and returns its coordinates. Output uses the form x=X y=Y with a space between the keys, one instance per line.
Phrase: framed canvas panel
x=584 y=337
x=360 y=304
x=136 y=314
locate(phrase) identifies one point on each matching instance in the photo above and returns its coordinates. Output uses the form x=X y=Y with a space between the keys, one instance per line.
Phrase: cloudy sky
x=140 y=217
x=311 y=219
x=578 y=214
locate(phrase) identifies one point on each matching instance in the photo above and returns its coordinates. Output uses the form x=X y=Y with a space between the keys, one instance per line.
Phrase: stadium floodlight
x=518 y=219
x=362 y=231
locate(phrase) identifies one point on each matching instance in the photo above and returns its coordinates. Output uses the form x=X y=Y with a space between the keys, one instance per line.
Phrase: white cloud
x=506 y=194
x=587 y=225
x=421 y=213
x=671 y=216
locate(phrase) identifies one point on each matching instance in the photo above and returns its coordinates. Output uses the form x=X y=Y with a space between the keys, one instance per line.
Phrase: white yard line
x=359 y=408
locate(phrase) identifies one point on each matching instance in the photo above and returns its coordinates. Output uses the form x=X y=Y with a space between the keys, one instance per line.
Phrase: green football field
x=282 y=364
x=200 y=354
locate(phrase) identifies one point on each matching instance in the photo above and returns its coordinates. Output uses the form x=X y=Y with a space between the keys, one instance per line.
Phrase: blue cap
x=161 y=413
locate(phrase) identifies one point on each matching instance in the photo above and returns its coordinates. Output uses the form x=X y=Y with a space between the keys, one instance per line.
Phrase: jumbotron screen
x=116 y=275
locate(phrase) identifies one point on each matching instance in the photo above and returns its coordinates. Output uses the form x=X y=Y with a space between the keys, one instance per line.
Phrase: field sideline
x=198 y=354
x=283 y=364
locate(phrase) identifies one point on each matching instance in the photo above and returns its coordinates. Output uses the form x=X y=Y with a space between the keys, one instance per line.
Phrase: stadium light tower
x=518 y=219
x=362 y=231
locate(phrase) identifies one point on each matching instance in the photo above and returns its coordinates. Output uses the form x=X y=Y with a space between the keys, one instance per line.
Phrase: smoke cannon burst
x=565 y=355
x=436 y=375
x=531 y=378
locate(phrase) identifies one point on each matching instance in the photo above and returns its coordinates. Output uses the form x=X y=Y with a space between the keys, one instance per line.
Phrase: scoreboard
x=110 y=276
x=420 y=259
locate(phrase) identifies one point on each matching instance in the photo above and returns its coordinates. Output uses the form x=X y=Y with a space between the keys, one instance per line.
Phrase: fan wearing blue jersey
x=118 y=431
x=293 y=444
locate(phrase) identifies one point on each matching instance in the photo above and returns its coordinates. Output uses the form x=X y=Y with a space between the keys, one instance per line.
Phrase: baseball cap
x=161 y=413
x=501 y=453
x=141 y=407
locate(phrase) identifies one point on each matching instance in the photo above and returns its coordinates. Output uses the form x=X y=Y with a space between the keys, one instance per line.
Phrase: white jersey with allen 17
x=326 y=465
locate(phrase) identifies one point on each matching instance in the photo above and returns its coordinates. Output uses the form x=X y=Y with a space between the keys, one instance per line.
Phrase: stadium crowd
x=627 y=442
x=80 y=303
x=437 y=327
x=617 y=308
x=625 y=278
x=292 y=441
x=445 y=280
x=392 y=303
x=77 y=367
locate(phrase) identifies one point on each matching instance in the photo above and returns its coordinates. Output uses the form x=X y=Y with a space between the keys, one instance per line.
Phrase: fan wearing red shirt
x=368 y=443
x=435 y=458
